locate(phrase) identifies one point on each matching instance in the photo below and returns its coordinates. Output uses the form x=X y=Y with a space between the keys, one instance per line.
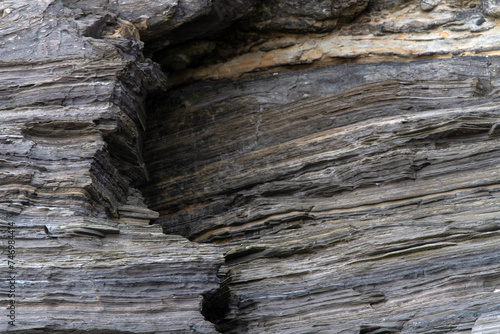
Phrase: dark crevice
x=215 y=304
x=376 y=329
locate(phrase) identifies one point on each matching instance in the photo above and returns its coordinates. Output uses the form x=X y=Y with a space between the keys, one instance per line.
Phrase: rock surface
x=332 y=163
x=349 y=199
x=385 y=31
x=84 y=259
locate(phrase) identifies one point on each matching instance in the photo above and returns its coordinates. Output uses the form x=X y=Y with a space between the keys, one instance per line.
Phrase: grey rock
x=428 y=5
x=304 y=16
x=330 y=166
x=72 y=122
x=491 y=8
x=346 y=198
x=165 y=22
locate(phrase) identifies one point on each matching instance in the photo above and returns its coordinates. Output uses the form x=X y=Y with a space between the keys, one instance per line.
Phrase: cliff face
x=82 y=256
x=353 y=198
x=316 y=166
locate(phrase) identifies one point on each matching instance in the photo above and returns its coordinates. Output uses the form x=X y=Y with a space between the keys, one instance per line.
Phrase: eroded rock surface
x=332 y=163
x=348 y=199
x=72 y=121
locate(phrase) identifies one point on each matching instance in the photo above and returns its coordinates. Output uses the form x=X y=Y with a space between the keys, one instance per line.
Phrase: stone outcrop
x=72 y=120
x=316 y=166
x=350 y=199
x=386 y=31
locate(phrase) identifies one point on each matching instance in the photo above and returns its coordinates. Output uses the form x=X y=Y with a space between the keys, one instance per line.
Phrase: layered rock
x=356 y=198
x=333 y=164
x=83 y=256
x=379 y=31
x=348 y=199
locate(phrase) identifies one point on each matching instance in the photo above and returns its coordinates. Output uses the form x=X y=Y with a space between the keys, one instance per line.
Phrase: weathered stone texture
x=72 y=121
x=348 y=199
x=334 y=165
x=137 y=281
x=384 y=31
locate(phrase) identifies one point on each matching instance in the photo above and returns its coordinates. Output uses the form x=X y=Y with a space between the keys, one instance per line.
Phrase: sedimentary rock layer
x=78 y=254
x=133 y=280
x=355 y=198
x=374 y=31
